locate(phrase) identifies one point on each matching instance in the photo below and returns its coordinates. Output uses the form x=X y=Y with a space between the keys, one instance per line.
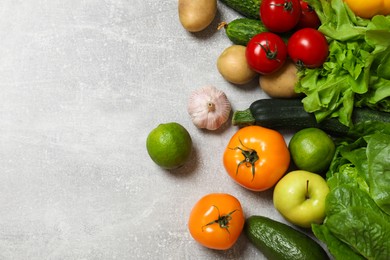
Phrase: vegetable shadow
x=265 y=195
x=210 y=30
x=189 y=167
x=253 y=84
x=237 y=251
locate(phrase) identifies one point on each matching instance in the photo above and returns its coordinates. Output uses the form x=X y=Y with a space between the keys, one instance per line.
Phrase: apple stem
x=307 y=190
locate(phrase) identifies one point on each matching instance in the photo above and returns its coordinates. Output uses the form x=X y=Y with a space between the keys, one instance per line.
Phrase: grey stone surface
x=82 y=83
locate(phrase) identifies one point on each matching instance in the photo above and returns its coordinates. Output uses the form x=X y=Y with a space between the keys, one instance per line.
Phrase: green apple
x=300 y=198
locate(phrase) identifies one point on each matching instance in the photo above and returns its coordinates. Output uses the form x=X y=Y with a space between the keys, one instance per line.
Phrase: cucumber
x=290 y=114
x=277 y=240
x=248 y=8
x=241 y=30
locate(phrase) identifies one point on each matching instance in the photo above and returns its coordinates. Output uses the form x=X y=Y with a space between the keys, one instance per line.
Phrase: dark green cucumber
x=277 y=240
x=290 y=114
x=241 y=30
x=248 y=8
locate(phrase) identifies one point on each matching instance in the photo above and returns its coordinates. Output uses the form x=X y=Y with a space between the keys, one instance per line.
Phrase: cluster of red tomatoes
x=307 y=47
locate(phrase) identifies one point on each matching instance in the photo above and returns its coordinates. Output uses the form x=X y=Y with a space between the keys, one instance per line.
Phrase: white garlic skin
x=209 y=108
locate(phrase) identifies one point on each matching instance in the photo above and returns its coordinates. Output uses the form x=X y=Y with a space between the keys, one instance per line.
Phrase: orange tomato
x=216 y=221
x=386 y=8
x=256 y=157
x=368 y=9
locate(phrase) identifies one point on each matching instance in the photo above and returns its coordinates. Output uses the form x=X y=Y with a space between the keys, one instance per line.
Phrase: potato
x=196 y=15
x=281 y=83
x=233 y=66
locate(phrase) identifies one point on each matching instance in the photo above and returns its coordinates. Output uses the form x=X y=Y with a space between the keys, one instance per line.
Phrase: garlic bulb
x=209 y=107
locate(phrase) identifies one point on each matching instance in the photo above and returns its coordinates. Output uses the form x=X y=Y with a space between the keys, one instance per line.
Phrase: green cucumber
x=241 y=30
x=277 y=240
x=290 y=114
x=248 y=8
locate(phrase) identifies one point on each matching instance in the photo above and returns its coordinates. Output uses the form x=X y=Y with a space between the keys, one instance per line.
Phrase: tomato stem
x=271 y=55
x=287 y=5
x=310 y=9
x=300 y=65
x=222 y=221
x=250 y=158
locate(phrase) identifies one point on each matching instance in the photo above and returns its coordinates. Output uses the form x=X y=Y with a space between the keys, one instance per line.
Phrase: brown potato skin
x=232 y=65
x=281 y=83
x=196 y=15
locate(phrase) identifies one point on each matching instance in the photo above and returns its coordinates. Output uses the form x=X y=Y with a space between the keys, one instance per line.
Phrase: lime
x=169 y=145
x=312 y=150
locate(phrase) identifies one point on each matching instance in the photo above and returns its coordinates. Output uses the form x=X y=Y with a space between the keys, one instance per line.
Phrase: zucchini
x=290 y=114
x=248 y=8
x=277 y=240
x=241 y=30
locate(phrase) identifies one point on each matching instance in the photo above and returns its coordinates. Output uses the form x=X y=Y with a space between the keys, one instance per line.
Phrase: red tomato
x=309 y=18
x=280 y=15
x=266 y=53
x=216 y=221
x=308 y=47
x=256 y=157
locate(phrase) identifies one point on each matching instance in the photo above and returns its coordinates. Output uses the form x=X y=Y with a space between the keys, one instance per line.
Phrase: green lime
x=312 y=150
x=169 y=145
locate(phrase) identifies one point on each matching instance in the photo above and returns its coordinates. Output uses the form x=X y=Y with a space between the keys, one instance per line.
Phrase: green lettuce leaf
x=366 y=232
x=338 y=21
x=357 y=222
x=357 y=72
x=336 y=247
x=347 y=196
x=378 y=157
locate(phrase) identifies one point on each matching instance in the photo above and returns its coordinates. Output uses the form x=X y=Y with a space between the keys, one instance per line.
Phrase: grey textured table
x=82 y=84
